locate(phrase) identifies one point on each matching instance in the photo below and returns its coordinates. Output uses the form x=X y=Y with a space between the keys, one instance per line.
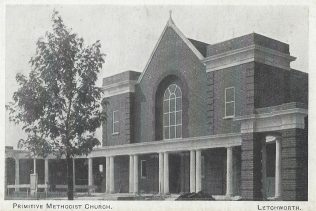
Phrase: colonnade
x=195 y=172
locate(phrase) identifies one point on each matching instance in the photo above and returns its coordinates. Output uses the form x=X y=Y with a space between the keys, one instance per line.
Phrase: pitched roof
x=197 y=48
x=201 y=46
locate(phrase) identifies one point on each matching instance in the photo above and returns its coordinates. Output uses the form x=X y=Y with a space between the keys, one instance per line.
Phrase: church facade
x=229 y=119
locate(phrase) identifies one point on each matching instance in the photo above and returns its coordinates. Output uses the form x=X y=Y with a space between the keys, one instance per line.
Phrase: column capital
x=278 y=139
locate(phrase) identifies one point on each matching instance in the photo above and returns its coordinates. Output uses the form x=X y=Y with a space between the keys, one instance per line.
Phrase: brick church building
x=229 y=119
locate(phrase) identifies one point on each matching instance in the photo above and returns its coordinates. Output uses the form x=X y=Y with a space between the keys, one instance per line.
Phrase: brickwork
x=247 y=40
x=211 y=101
x=236 y=170
x=122 y=103
x=257 y=88
x=214 y=181
x=149 y=184
x=241 y=78
x=172 y=58
x=251 y=175
x=294 y=164
x=121 y=174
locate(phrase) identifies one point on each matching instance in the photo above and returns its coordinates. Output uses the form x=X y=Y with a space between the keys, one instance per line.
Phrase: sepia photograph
x=155 y=103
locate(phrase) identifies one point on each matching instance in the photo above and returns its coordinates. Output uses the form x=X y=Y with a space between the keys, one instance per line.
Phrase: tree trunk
x=70 y=192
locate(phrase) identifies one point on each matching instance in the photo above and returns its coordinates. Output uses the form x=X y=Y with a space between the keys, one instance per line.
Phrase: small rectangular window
x=115 y=122
x=143 y=170
x=230 y=102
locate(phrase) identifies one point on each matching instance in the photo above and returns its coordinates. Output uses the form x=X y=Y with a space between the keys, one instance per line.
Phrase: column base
x=275 y=198
x=229 y=196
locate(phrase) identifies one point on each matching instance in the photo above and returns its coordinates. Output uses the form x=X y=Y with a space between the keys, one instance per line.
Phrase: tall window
x=172 y=112
x=230 y=102
x=115 y=123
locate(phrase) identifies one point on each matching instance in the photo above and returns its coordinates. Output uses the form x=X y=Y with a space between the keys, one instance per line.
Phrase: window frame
x=115 y=122
x=169 y=112
x=228 y=102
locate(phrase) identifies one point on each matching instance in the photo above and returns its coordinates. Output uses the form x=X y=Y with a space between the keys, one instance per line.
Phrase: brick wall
x=26 y=168
x=251 y=175
x=247 y=40
x=121 y=174
x=238 y=77
x=149 y=184
x=10 y=171
x=298 y=86
x=172 y=58
x=214 y=181
x=294 y=164
x=122 y=103
x=236 y=170
x=275 y=86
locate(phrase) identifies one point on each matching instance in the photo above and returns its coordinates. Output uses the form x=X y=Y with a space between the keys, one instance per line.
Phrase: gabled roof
x=199 y=53
x=201 y=46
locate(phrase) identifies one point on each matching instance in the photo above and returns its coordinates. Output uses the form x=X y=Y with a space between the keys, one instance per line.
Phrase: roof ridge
x=171 y=24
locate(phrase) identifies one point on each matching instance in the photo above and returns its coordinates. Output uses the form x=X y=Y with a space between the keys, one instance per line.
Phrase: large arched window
x=172 y=112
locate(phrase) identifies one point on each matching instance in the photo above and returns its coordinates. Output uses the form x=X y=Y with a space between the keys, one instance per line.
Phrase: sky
x=128 y=34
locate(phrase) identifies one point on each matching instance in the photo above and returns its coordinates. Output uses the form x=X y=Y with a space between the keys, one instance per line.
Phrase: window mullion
x=175 y=117
x=169 y=116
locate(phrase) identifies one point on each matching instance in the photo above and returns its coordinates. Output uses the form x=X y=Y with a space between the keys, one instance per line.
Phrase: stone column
x=131 y=173
x=112 y=185
x=278 y=183
x=135 y=174
x=161 y=174
x=198 y=176
x=46 y=173
x=229 y=172
x=90 y=174
x=17 y=173
x=166 y=172
x=264 y=169
x=192 y=171
x=107 y=175
x=74 y=173
x=34 y=166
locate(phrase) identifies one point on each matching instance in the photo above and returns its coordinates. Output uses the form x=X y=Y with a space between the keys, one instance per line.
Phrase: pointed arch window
x=172 y=112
